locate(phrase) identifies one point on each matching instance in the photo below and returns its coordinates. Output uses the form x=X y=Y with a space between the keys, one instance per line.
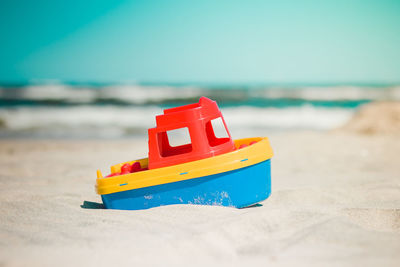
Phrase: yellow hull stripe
x=237 y=159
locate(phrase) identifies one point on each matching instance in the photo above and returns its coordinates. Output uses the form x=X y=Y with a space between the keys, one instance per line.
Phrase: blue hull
x=238 y=188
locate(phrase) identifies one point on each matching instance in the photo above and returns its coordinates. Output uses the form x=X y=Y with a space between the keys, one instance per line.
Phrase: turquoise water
x=73 y=110
x=74 y=94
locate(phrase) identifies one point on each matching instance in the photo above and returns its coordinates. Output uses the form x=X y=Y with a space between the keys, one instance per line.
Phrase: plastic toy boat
x=209 y=170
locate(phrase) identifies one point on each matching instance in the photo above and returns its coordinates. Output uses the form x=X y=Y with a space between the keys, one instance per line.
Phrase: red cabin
x=199 y=120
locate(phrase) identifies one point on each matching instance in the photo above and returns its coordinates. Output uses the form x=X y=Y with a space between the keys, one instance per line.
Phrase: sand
x=335 y=202
x=381 y=117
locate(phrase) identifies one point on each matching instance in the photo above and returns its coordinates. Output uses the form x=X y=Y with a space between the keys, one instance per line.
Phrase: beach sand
x=335 y=202
x=381 y=117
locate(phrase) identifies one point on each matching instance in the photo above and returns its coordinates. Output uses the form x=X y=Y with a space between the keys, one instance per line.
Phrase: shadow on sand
x=95 y=205
x=253 y=206
x=92 y=205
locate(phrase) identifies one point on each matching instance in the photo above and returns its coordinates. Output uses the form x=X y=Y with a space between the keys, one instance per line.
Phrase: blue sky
x=200 y=41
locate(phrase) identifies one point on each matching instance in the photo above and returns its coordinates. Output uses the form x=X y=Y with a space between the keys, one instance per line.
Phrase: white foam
x=107 y=116
x=120 y=121
x=138 y=94
x=331 y=93
x=244 y=121
x=133 y=94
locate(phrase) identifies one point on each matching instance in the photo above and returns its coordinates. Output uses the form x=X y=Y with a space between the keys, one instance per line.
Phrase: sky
x=200 y=41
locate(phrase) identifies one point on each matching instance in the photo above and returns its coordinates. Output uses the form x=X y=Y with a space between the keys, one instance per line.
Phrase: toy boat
x=209 y=170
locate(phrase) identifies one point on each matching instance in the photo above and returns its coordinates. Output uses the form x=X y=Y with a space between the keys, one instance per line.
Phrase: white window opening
x=219 y=128
x=179 y=137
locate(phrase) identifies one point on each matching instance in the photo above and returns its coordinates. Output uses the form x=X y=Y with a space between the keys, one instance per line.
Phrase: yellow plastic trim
x=237 y=159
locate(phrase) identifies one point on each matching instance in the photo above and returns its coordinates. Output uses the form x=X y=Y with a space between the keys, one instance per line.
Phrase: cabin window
x=179 y=137
x=174 y=142
x=216 y=132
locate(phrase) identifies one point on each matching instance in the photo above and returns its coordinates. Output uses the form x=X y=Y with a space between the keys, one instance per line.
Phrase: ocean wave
x=120 y=121
x=332 y=93
x=133 y=94
x=160 y=95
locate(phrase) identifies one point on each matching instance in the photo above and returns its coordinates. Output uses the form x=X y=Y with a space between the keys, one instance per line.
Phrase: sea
x=71 y=110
